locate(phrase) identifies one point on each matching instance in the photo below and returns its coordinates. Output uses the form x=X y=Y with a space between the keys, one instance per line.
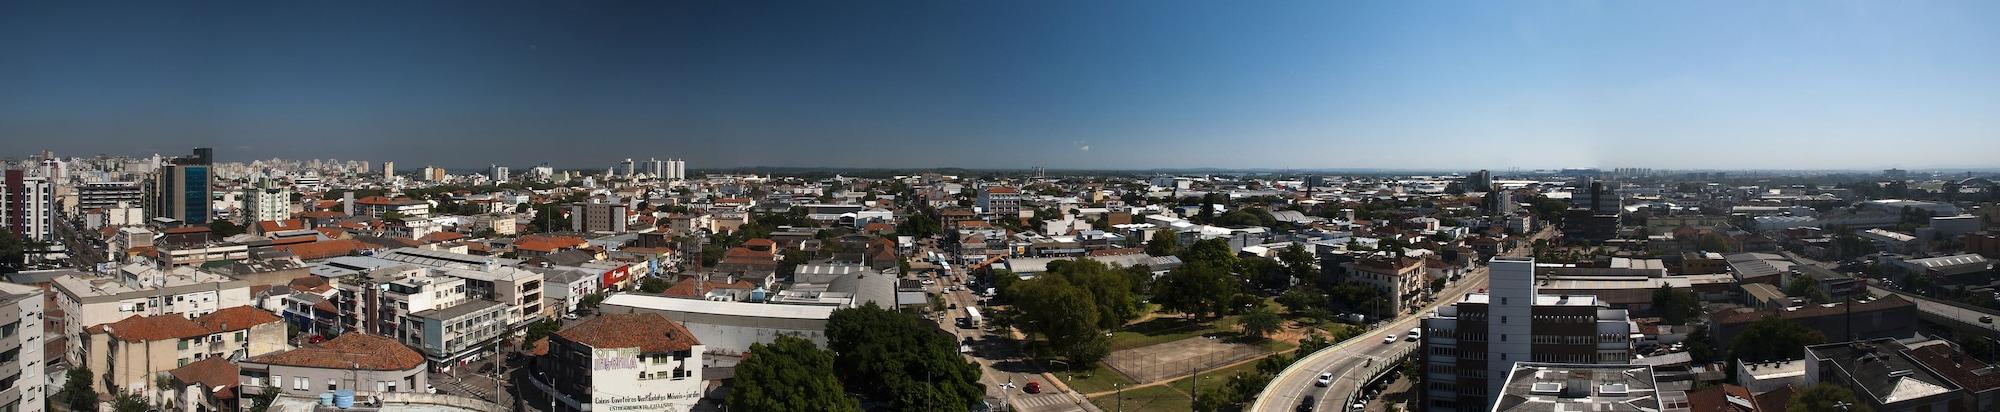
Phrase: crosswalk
x=1046 y=401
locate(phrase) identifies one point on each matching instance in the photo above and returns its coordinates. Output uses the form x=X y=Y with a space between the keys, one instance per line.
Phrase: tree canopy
x=1196 y=288
x=1827 y=397
x=1774 y=338
x=1165 y=243
x=789 y=374
x=1259 y=322
x=1676 y=306
x=899 y=360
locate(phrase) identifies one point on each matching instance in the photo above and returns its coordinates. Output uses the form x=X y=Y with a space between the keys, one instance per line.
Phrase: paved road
x=1351 y=361
x=1003 y=370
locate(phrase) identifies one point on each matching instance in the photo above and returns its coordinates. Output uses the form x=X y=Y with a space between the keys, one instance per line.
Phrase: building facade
x=1470 y=347
x=29 y=204
x=267 y=201
x=1001 y=201
x=22 y=362
x=620 y=362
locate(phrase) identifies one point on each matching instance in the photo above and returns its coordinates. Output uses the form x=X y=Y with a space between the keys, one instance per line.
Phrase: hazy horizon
x=1115 y=85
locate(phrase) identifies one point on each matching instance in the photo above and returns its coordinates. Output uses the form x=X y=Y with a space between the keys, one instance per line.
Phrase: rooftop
x=761 y=310
x=1555 y=387
x=1881 y=370
x=349 y=351
x=649 y=332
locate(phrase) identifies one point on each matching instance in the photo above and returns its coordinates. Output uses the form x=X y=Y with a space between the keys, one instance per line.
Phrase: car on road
x=1033 y=387
x=1307 y=404
x=1985 y=319
x=1389 y=339
x=1416 y=333
x=1325 y=378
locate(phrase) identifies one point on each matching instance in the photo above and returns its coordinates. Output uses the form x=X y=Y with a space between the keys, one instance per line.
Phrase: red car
x=1033 y=387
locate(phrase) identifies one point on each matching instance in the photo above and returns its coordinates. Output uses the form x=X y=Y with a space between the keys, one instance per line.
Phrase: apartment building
x=452 y=334
x=128 y=354
x=267 y=201
x=602 y=363
x=27 y=205
x=376 y=206
x=1400 y=279
x=21 y=342
x=181 y=292
x=106 y=195
x=1000 y=201
x=1471 y=346
x=596 y=217
x=381 y=300
x=485 y=278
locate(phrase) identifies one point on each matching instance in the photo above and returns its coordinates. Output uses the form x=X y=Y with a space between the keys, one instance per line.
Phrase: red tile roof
x=649 y=332
x=268 y=226
x=545 y=244
x=323 y=249
x=438 y=237
x=151 y=328
x=235 y=319
x=1002 y=190
x=350 y=351
x=322 y=214
x=215 y=372
x=331 y=232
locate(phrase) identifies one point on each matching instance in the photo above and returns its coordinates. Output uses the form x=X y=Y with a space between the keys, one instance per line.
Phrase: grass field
x=1097 y=379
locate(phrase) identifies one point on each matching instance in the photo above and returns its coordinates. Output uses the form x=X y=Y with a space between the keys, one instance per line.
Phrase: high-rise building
x=598 y=217
x=677 y=169
x=627 y=164
x=30 y=205
x=1479 y=181
x=267 y=201
x=1470 y=347
x=181 y=191
x=388 y=170
x=498 y=173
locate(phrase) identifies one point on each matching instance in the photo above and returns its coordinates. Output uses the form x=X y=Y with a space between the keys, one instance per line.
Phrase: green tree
x=789 y=374
x=1774 y=338
x=590 y=301
x=1215 y=251
x=1052 y=309
x=1165 y=243
x=542 y=329
x=76 y=392
x=1806 y=287
x=222 y=228
x=126 y=402
x=1676 y=306
x=1827 y=397
x=1301 y=264
x=654 y=285
x=900 y=360
x=1259 y=322
x=1304 y=301
x=1110 y=290
x=1198 y=289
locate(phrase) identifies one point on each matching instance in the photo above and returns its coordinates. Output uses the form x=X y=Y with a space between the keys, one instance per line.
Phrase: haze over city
x=1091 y=85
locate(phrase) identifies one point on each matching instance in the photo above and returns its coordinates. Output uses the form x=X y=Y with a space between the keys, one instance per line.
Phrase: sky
x=1013 y=84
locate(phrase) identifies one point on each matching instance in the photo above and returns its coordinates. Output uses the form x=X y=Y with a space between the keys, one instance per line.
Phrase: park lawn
x=1151 y=398
x=1168 y=329
x=1097 y=379
x=1214 y=376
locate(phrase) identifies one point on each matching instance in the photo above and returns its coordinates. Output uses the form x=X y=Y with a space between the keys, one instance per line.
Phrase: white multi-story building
x=267 y=201
x=498 y=173
x=29 y=206
x=621 y=362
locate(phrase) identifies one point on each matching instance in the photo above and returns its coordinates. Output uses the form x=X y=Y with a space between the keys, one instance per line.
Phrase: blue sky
x=1062 y=84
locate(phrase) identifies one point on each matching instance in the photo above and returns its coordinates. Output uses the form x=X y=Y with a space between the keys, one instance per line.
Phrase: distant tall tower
x=680 y=169
x=181 y=190
x=628 y=167
x=498 y=173
x=388 y=170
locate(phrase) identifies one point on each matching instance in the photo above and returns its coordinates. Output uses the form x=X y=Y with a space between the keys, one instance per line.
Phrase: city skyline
x=1114 y=85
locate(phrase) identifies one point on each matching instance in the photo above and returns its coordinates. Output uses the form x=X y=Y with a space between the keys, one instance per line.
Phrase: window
x=183 y=344
x=301 y=383
x=276 y=380
x=332 y=384
x=8 y=330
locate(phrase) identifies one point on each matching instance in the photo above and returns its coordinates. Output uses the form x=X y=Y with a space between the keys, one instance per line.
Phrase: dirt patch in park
x=1173 y=359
